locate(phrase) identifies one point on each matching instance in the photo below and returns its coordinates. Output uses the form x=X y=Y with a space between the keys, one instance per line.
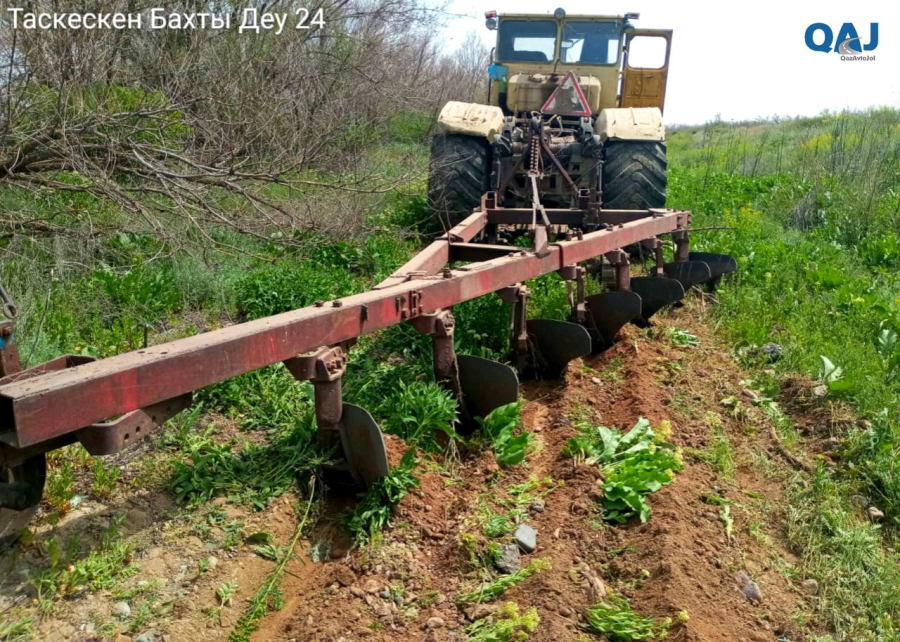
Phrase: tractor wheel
x=634 y=175
x=33 y=472
x=458 y=176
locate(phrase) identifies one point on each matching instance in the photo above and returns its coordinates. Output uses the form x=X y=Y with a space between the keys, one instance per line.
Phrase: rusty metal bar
x=476 y=252
x=525 y=216
x=431 y=259
x=48 y=405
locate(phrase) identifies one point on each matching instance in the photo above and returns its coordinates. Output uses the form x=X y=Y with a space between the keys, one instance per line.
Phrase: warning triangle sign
x=567 y=99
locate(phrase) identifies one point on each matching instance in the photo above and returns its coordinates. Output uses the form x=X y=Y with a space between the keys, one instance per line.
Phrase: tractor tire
x=33 y=471
x=458 y=176
x=634 y=175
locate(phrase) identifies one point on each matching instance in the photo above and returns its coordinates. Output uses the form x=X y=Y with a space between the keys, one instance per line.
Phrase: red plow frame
x=74 y=398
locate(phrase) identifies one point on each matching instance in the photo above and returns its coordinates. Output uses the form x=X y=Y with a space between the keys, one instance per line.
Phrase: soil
x=682 y=564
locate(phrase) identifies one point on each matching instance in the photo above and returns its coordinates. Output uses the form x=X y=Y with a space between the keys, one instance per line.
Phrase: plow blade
x=609 y=312
x=363 y=445
x=485 y=385
x=688 y=273
x=554 y=344
x=656 y=292
x=719 y=264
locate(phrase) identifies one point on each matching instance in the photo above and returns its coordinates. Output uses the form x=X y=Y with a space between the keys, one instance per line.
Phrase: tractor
x=566 y=115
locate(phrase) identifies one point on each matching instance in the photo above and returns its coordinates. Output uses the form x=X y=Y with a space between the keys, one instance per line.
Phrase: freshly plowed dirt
x=681 y=561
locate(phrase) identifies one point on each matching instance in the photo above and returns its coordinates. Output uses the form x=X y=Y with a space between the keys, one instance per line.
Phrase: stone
x=122 y=638
x=860 y=501
x=385 y=593
x=357 y=592
x=526 y=538
x=213 y=562
x=149 y=636
x=372 y=587
x=810 y=587
x=481 y=611
x=121 y=609
x=509 y=560
x=772 y=351
x=875 y=513
x=538 y=505
x=749 y=588
x=566 y=612
x=434 y=623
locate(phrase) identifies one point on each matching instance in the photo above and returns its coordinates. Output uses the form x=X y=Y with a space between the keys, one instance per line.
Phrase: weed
x=498 y=427
x=419 y=412
x=60 y=485
x=490 y=591
x=683 y=338
x=614 y=618
x=373 y=513
x=506 y=625
x=18 y=630
x=105 y=478
x=634 y=465
x=99 y=570
x=269 y=596
x=258 y=474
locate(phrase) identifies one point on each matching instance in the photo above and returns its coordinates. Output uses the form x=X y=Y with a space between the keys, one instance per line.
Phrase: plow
x=520 y=188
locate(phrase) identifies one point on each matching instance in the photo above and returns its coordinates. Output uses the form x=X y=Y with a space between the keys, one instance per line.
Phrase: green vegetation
x=490 y=591
x=614 y=618
x=811 y=208
x=634 y=465
x=373 y=512
x=498 y=428
x=66 y=573
x=506 y=625
x=419 y=412
x=268 y=597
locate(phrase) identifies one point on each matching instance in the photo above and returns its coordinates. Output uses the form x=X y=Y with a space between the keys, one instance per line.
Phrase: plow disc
x=719 y=264
x=608 y=312
x=485 y=385
x=688 y=273
x=363 y=445
x=554 y=344
x=656 y=292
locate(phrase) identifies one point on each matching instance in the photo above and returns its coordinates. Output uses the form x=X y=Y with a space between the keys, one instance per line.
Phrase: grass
x=268 y=596
x=811 y=208
x=66 y=573
x=373 y=512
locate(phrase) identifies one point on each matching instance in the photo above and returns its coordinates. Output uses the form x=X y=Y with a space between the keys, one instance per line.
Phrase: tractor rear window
x=593 y=43
x=527 y=41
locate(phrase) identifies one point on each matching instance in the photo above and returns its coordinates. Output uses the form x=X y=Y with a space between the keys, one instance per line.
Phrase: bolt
x=447 y=273
x=320 y=304
x=337 y=304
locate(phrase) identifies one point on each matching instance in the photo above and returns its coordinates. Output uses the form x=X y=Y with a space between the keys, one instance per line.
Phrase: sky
x=741 y=60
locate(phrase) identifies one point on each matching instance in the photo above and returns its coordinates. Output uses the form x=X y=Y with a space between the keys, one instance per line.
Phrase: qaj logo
x=848 y=43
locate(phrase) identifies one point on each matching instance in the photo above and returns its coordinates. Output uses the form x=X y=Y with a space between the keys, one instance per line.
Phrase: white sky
x=742 y=60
